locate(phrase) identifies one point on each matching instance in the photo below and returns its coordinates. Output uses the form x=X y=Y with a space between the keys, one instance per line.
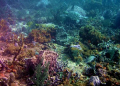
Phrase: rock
x=101 y=72
x=14 y=84
x=4 y=81
x=89 y=71
x=62 y=38
x=94 y=80
x=75 y=13
x=12 y=77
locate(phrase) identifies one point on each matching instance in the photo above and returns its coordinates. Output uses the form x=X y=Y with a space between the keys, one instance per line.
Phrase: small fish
x=77 y=46
x=90 y=59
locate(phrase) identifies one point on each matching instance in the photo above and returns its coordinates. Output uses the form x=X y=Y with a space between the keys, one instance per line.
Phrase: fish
x=90 y=59
x=77 y=46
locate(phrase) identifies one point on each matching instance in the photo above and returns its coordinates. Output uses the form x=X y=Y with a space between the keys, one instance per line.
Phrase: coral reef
x=74 y=53
x=4 y=26
x=89 y=34
x=49 y=27
x=73 y=43
x=5 y=31
x=49 y=57
x=62 y=38
x=94 y=81
x=41 y=36
x=11 y=49
x=40 y=74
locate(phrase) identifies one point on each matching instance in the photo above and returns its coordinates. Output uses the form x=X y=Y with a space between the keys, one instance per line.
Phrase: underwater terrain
x=59 y=42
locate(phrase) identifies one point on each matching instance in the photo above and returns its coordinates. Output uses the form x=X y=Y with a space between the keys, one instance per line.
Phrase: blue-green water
x=60 y=42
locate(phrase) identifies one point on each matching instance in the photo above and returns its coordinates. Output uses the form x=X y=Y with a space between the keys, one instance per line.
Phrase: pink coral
x=49 y=57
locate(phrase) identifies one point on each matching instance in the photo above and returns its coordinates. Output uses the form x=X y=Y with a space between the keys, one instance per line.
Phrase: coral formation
x=11 y=50
x=94 y=81
x=4 y=26
x=49 y=57
x=74 y=43
x=41 y=36
x=74 y=53
x=90 y=34
x=49 y=27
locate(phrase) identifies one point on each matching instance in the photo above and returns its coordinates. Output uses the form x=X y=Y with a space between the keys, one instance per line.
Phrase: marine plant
x=90 y=34
x=5 y=32
x=41 y=74
x=49 y=27
x=4 y=25
x=49 y=57
x=88 y=52
x=11 y=50
x=110 y=51
x=41 y=36
x=30 y=24
x=74 y=53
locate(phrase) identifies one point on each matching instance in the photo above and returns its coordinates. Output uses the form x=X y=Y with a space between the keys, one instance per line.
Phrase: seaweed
x=41 y=74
